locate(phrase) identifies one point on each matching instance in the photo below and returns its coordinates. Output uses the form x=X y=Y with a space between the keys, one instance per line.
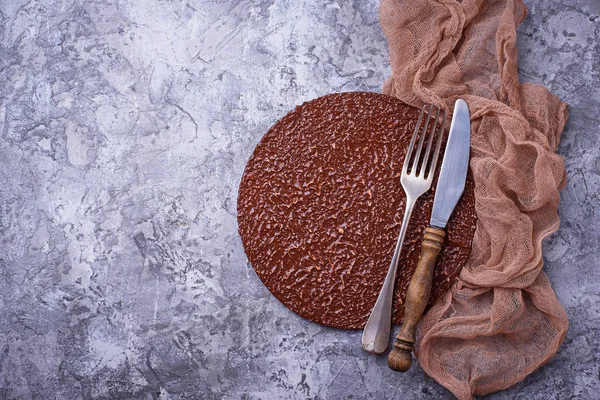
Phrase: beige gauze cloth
x=500 y=320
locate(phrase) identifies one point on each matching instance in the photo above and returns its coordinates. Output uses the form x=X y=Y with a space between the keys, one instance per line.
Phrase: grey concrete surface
x=124 y=130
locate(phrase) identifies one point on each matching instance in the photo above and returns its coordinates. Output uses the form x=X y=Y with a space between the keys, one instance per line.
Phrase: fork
x=416 y=179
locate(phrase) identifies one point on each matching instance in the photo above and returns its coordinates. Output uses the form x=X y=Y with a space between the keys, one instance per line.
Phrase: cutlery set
x=417 y=176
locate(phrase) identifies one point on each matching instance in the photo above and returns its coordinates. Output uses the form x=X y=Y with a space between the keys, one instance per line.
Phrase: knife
x=450 y=186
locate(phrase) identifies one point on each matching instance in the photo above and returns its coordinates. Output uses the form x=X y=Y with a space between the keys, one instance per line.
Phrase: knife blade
x=453 y=174
x=450 y=186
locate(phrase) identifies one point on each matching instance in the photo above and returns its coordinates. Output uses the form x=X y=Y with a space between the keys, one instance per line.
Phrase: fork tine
x=421 y=140
x=412 y=141
x=429 y=143
x=438 y=145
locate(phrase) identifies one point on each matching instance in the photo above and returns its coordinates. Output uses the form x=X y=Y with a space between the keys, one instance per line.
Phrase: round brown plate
x=320 y=206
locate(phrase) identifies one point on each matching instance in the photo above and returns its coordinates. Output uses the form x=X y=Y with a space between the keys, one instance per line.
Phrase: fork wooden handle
x=417 y=297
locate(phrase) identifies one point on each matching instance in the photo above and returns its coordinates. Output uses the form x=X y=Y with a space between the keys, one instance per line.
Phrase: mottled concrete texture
x=125 y=127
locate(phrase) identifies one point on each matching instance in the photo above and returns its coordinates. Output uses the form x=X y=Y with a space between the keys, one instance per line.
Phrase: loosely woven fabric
x=501 y=319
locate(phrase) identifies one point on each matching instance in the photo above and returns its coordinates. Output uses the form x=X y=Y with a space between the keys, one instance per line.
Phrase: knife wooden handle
x=417 y=297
